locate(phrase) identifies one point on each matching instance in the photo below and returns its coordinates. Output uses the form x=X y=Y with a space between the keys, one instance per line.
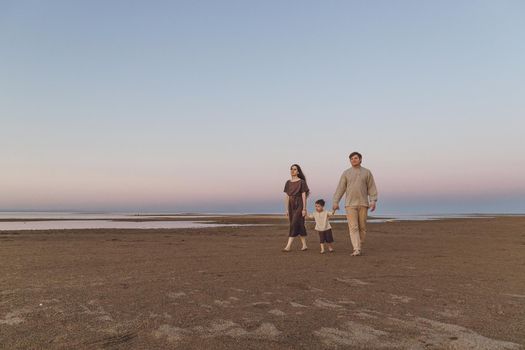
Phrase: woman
x=296 y=191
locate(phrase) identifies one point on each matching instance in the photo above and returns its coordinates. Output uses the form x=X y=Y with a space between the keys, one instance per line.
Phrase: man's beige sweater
x=359 y=186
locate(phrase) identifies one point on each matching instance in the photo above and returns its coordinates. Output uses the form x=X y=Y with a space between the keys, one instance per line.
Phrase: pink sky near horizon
x=168 y=186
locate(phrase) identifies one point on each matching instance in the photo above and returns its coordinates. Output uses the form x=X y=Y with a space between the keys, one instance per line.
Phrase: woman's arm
x=304 y=203
x=286 y=200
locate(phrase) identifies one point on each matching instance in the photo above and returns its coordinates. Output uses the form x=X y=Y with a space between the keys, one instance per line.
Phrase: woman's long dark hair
x=300 y=175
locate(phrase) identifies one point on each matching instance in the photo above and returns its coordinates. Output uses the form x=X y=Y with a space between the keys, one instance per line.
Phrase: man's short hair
x=320 y=202
x=355 y=154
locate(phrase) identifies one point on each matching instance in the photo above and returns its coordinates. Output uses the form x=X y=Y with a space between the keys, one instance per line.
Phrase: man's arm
x=340 y=190
x=372 y=191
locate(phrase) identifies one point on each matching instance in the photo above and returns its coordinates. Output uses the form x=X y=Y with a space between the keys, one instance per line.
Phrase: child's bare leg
x=330 y=248
x=303 y=241
x=289 y=244
x=322 y=248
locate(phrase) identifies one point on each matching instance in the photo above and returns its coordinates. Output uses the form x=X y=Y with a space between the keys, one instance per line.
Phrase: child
x=322 y=225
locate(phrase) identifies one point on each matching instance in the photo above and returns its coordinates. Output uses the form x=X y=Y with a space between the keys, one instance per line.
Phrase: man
x=361 y=194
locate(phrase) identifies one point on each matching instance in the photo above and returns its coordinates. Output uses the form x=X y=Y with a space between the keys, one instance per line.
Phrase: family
x=356 y=182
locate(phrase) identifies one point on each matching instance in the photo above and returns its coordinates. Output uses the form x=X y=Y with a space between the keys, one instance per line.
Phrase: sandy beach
x=447 y=284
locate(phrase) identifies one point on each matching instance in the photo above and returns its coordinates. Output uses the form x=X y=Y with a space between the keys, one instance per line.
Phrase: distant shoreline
x=67 y=221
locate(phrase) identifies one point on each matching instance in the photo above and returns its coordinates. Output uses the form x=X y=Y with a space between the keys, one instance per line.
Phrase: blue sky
x=203 y=105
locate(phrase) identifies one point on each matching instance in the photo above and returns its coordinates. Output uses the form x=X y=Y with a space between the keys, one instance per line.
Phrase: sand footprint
x=222 y=303
x=362 y=314
x=218 y=328
x=261 y=304
x=297 y=304
x=96 y=309
x=14 y=317
x=353 y=334
x=326 y=304
x=450 y=313
x=176 y=295
x=354 y=282
x=401 y=298
x=277 y=312
x=514 y=295
x=172 y=334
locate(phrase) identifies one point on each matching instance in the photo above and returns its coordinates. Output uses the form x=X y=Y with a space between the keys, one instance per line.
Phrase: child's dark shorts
x=326 y=236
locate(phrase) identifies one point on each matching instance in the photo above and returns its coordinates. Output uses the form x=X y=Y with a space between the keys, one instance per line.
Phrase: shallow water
x=424 y=217
x=72 y=220
x=92 y=216
x=393 y=218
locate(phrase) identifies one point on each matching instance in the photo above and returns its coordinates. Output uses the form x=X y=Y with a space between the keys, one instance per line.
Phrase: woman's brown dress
x=295 y=206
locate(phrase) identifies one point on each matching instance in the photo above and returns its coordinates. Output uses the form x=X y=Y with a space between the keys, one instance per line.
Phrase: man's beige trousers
x=356 y=217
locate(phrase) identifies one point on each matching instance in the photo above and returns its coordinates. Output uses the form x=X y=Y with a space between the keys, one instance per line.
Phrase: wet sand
x=449 y=284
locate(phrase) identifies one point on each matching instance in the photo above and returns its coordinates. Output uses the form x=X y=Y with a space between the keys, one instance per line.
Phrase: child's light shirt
x=321 y=220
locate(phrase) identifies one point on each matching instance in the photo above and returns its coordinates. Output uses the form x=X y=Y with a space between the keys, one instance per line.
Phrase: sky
x=204 y=105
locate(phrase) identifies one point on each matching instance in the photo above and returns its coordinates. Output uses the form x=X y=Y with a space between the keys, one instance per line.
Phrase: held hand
x=335 y=207
x=372 y=206
x=304 y=213
x=286 y=213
